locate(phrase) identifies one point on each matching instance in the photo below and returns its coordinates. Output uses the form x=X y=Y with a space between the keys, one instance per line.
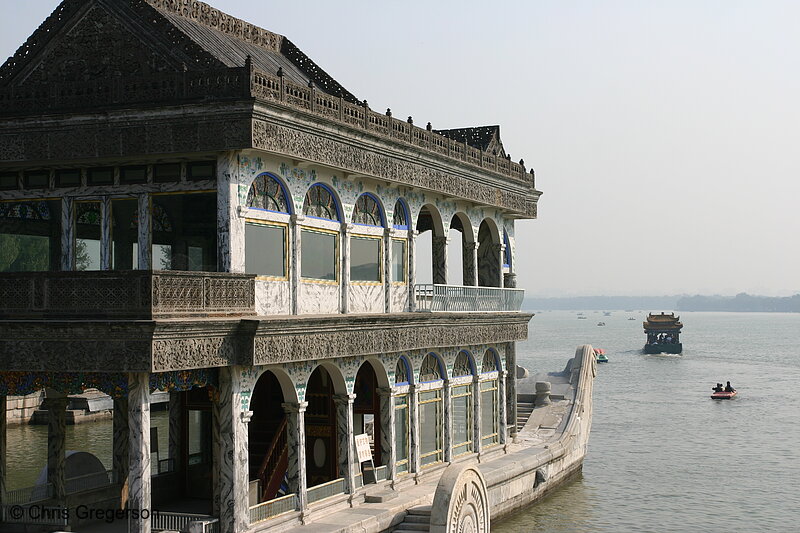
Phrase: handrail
x=267 y=470
x=457 y=298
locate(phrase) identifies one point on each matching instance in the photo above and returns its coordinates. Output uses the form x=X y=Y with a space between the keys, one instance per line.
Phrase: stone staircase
x=417 y=519
x=524 y=410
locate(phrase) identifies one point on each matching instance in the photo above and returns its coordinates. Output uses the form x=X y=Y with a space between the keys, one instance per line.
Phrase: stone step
x=424 y=510
x=417 y=519
x=405 y=526
x=409 y=530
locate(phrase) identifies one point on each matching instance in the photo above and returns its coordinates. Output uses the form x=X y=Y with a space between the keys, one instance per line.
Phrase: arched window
x=320 y=203
x=401 y=372
x=462 y=365
x=267 y=193
x=462 y=406
x=367 y=211
x=400 y=219
x=490 y=411
x=489 y=363
x=430 y=370
x=402 y=425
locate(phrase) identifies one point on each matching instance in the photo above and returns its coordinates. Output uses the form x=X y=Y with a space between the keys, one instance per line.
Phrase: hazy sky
x=663 y=134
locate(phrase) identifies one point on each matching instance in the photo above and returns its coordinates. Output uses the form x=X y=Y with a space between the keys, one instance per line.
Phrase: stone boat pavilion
x=188 y=203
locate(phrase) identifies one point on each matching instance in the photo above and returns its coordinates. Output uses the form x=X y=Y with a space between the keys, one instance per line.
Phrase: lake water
x=663 y=456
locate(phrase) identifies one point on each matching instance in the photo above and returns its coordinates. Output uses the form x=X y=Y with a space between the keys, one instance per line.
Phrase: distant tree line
x=741 y=302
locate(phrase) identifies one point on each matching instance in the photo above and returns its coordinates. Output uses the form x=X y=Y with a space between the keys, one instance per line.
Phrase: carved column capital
x=246 y=416
x=294 y=407
x=341 y=399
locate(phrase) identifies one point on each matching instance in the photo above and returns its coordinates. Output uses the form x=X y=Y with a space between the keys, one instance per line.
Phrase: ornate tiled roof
x=162 y=35
x=485 y=138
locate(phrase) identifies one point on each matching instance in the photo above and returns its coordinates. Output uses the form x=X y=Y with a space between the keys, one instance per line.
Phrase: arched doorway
x=461 y=252
x=431 y=249
x=268 y=438
x=489 y=260
x=322 y=453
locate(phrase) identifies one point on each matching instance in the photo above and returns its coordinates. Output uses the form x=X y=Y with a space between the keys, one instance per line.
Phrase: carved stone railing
x=130 y=294
x=456 y=298
x=244 y=83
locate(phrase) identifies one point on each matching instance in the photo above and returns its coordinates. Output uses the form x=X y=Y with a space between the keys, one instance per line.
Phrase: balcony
x=455 y=298
x=130 y=294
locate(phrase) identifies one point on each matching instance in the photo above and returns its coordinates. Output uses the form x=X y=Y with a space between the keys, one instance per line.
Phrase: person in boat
x=728 y=388
x=718 y=388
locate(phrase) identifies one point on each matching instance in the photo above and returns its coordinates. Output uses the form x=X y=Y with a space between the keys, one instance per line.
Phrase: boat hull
x=723 y=395
x=663 y=348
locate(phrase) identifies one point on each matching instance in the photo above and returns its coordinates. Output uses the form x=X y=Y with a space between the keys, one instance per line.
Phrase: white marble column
x=121 y=440
x=3 y=449
x=476 y=419
x=501 y=408
x=67 y=234
x=470 y=260
x=145 y=259
x=56 y=445
x=230 y=227
x=500 y=260
x=105 y=233
x=175 y=427
x=296 y=443
x=295 y=240
x=344 y=262
x=412 y=269
x=139 y=478
x=387 y=270
x=447 y=402
x=233 y=467
x=344 y=432
x=439 y=258
x=415 y=445
x=388 y=429
x=511 y=389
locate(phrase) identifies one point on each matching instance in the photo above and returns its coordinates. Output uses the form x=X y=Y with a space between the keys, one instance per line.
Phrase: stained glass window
x=489 y=363
x=461 y=367
x=400 y=219
x=88 y=213
x=267 y=193
x=320 y=203
x=25 y=210
x=430 y=370
x=367 y=211
x=401 y=372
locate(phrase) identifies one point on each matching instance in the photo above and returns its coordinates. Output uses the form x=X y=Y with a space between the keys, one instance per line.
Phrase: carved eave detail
x=316 y=338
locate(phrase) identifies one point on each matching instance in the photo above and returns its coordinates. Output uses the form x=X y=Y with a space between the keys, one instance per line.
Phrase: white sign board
x=362 y=448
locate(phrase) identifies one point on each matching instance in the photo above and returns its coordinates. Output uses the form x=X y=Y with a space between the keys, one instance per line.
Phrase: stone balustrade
x=457 y=298
x=134 y=294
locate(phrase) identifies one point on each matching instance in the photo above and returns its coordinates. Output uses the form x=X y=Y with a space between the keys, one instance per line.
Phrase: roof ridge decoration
x=54 y=25
x=215 y=19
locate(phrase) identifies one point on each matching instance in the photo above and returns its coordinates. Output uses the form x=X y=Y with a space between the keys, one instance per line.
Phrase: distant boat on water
x=663 y=333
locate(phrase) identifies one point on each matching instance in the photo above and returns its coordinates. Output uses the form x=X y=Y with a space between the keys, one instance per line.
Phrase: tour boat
x=663 y=333
x=723 y=395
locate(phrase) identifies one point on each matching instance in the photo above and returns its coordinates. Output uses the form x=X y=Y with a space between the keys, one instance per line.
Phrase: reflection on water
x=27 y=446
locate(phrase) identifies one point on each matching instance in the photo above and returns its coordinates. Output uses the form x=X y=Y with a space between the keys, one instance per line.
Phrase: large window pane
x=88 y=221
x=398 y=261
x=489 y=413
x=124 y=234
x=462 y=419
x=319 y=256
x=365 y=259
x=265 y=250
x=30 y=236
x=184 y=230
x=401 y=432
x=430 y=423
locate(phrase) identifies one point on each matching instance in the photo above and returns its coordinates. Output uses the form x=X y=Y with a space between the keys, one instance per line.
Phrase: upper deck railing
x=130 y=294
x=452 y=298
x=246 y=82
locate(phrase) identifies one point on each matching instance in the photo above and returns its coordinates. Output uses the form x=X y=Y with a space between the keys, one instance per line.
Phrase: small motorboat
x=600 y=355
x=601 y=323
x=723 y=395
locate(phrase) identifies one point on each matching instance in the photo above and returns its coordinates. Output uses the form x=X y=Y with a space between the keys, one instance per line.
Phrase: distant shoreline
x=742 y=302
